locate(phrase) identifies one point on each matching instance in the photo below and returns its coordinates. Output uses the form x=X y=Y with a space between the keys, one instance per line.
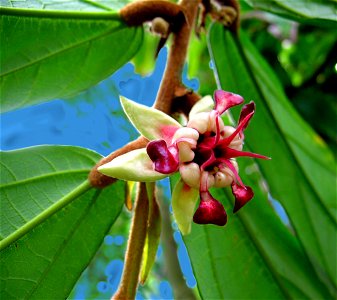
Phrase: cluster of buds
x=203 y=152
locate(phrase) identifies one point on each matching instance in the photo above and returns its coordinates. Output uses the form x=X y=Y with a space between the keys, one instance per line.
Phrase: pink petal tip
x=210 y=211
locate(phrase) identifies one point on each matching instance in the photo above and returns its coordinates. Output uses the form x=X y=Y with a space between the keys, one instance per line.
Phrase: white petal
x=186 y=132
x=200 y=122
x=150 y=122
x=132 y=166
x=190 y=174
x=185 y=152
x=184 y=199
x=222 y=179
x=203 y=105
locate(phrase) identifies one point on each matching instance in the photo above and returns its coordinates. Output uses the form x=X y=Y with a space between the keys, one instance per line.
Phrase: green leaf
x=301 y=173
x=254 y=250
x=52 y=220
x=57 y=54
x=46 y=263
x=72 y=5
x=34 y=179
x=318 y=12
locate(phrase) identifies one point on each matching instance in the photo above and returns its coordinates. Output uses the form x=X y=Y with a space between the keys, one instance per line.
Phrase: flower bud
x=222 y=179
x=199 y=122
x=160 y=26
x=190 y=174
x=185 y=152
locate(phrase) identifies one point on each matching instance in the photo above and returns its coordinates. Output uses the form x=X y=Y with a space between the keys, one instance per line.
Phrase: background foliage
x=53 y=222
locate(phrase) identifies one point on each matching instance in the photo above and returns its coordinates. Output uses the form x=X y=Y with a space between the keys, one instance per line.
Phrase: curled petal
x=186 y=133
x=225 y=100
x=150 y=122
x=165 y=161
x=242 y=195
x=210 y=211
x=135 y=165
x=184 y=199
x=185 y=152
x=246 y=110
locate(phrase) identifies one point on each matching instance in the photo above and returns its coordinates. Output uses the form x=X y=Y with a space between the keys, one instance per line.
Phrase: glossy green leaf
x=318 y=12
x=254 y=256
x=301 y=174
x=53 y=221
x=68 y=5
x=57 y=54
x=36 y=178
x=46 y=263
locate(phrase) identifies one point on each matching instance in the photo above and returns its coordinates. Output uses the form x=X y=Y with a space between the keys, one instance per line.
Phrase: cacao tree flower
x=203 y=152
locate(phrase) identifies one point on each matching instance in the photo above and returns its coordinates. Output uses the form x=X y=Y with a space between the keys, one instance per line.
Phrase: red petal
x=245 y=111
x=231 y=153
x=210 y=211
x=225 y=100
x=242 y=124
x=164 y=161
x=242 y=195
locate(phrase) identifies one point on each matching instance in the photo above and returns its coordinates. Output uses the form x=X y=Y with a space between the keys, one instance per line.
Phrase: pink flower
x=204 y=153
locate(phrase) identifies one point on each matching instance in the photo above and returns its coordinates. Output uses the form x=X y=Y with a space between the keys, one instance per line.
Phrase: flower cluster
x=203 y=152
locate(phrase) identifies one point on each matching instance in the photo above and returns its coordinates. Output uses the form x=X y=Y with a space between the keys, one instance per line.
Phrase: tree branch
x=171 y=85
x=133 y=257
x=136 y=13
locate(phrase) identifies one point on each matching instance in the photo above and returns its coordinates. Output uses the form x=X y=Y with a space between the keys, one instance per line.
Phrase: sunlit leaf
x=53 y=221
x=253 y=250
x=57 y=54
x=68 y=5
x=33 y=179
x=46 y=263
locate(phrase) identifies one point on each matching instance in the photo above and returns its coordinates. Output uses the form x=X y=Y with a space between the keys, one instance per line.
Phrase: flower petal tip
x=164 y=161
x=242 y=194
x=225 y=100
x=210 y=211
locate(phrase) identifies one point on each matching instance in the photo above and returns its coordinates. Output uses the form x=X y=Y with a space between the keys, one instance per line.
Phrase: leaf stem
x=78 y=191
x=60 y=14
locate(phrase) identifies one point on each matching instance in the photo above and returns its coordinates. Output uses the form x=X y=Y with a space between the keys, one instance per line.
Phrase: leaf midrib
x=44 y=176
x=52 y=54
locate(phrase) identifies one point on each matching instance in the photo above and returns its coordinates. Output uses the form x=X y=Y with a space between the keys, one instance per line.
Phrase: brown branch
x=133 y=257
x=138 y=12
x=176 y=59
x=169 y=92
